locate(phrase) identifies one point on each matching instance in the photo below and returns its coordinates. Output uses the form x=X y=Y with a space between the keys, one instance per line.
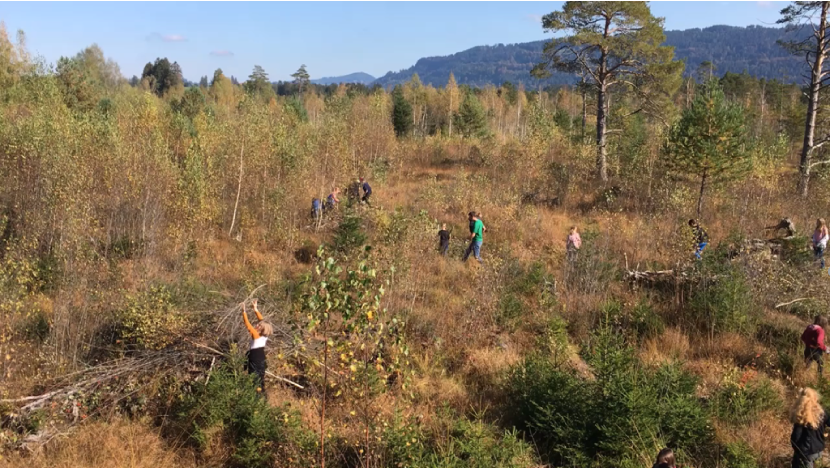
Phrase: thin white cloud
x=221 y=53
x=764 y=4
x=166 y=37
x=534 y=18
x=173 y=38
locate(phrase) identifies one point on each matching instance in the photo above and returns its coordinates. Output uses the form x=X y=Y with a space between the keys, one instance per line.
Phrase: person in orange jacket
x=259 y=336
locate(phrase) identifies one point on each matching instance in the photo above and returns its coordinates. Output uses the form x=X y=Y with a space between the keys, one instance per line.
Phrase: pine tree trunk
x=602 y=156
x=700 y=196
x=812 y=104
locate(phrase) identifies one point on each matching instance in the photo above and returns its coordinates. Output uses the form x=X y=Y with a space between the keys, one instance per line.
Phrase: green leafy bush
x=229 y=412
x=150 y=319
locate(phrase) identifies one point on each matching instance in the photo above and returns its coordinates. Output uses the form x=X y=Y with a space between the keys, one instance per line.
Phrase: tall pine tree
x=610 y=43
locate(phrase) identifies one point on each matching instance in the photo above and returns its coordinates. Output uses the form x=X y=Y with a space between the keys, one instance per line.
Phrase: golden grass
x=121 y=444
x=672 y=345
x=768 y=437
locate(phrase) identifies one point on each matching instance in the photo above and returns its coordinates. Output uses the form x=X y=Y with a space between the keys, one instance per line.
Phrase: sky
x=331 y=38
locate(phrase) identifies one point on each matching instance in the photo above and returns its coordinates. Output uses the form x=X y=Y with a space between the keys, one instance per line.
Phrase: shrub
x=349 y=234
x=510 y=309
x=723 y=304
x=795 y=250
x=229 y=412
x=150 y=319
x=613 y=420
x=738 y=455
x=742 y=397
x=454 y=442
x=645 y=322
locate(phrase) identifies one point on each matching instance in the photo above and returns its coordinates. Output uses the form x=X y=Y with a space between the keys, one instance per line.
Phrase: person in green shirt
x=476 y=238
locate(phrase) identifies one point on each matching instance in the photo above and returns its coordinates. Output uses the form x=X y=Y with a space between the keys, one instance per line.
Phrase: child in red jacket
x=813 y=339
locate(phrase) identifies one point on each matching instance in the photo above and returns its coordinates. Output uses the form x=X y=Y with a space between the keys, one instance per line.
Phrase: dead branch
x=784 y=304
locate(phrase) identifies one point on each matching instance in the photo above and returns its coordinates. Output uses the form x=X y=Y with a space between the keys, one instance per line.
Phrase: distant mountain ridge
x=358 y=77
x=731 y=48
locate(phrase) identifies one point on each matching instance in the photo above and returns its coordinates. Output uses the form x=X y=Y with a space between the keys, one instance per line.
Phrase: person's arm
x=258 y=315
x=796 y=435
x=820 y=340
x=251 y=329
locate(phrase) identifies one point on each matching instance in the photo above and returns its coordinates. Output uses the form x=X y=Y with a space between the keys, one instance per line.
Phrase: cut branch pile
x=118 y=379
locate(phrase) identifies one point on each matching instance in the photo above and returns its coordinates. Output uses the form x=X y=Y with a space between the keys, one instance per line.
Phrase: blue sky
x=330 y=38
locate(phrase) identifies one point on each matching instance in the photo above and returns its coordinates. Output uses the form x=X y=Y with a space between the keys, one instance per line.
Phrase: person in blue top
x=315 y=208
x=367 y=191
x=476 y=238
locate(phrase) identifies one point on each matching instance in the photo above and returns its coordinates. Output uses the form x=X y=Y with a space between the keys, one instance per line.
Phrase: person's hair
x=820 y=223
x=820 y=321
x=692 y=222
x=665 y=458
x=443 y=226
x=573 y=229
x=264 y=328
x=806 y=410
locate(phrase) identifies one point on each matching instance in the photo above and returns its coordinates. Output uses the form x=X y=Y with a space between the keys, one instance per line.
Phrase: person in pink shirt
x=813 y=339
x=572 y=244
x=820 y=237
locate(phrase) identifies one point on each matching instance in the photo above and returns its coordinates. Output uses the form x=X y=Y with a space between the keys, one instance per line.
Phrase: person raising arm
x=259 y=336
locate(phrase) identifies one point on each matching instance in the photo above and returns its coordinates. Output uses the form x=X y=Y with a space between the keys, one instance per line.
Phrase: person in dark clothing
x=813 y=339
x=444 y=240
x=353 y=192
x=471 y=215
x=700 y=236
x=367 y=192
x=809 y=423
x=665 y=459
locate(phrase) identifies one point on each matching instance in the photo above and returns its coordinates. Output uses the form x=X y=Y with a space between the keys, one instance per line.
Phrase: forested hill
x=732 y=49
x=359 y=77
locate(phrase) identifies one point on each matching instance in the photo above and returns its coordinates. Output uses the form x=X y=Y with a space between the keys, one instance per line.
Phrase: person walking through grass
x=809 y=423
x=367 y=192
x=572 y=244
x=813 y=339
x=820 y=237
x=701 y=238
x=256 y=352
x=476 y=238
x=443 y=240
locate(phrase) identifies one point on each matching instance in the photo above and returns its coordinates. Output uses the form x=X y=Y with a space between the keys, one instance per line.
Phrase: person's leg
x=811 y=459
x=799 y=460
x=445 y=247
x=467 y=251
x=477 y=250
x=699 y=251
x=818 y=357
